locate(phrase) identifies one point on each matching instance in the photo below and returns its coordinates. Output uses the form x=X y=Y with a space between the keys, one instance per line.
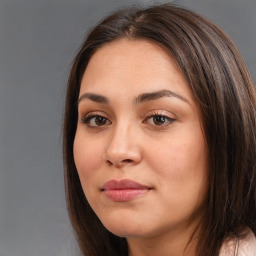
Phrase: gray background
x=38 y=39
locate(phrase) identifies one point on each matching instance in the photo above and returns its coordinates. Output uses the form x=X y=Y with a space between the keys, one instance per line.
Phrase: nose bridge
x=123 y=147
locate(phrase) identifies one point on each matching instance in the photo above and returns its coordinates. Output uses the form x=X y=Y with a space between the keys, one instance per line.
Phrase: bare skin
x=138 y=121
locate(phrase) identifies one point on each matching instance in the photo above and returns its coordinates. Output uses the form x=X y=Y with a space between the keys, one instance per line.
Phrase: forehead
x=133 y=66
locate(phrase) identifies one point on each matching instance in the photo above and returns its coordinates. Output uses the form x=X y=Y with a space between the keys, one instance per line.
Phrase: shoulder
x=240 y=247
x=247 y=246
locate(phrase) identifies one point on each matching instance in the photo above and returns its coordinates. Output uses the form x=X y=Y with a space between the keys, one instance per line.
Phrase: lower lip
x=124 y=195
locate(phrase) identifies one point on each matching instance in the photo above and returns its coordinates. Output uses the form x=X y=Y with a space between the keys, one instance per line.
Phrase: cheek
x=181 y=173
x=181 y=160
x=87 y=156
x=179 y=157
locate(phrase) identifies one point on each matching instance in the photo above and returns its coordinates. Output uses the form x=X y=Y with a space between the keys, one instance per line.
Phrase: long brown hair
x=226 y=96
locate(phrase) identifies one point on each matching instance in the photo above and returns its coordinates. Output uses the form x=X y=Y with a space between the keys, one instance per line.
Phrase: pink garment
x=240 y=247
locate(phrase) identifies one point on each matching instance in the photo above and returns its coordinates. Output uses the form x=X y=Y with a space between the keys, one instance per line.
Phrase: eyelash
x=87 y=119
x=163 y=119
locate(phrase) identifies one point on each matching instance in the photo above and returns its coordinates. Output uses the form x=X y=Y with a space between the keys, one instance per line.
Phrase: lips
x=124 y=190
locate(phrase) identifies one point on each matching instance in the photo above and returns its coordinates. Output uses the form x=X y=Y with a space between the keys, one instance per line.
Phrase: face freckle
x=130 y=83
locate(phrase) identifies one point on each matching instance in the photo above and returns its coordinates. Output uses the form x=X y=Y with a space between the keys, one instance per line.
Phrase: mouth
x=124 y=190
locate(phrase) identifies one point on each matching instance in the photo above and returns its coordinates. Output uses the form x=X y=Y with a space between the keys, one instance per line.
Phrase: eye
x=159 y=120
x=95 y=121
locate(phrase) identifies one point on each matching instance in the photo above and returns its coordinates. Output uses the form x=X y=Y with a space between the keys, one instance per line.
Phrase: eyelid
x=94 y=113
x=86 y=118
x=157 y=112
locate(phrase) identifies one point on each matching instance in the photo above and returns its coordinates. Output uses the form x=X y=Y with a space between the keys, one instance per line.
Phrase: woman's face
x=139 y=148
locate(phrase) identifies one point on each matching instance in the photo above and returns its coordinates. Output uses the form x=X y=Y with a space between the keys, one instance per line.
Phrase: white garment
x=240 y=247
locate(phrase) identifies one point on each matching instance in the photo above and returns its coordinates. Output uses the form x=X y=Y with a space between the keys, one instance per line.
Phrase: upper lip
x=123 y=184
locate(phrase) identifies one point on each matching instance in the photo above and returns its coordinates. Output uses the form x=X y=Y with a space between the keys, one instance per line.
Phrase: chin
x=123 y=227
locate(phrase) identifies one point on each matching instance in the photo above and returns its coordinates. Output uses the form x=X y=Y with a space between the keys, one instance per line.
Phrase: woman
x=160 y=138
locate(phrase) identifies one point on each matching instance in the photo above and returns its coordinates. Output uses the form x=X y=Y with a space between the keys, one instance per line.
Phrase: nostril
x=127 y=161
x=109 y=163
x=121 y=163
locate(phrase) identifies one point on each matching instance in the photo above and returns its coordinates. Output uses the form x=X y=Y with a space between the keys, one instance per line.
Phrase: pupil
x=158 y=120
x=100 y=120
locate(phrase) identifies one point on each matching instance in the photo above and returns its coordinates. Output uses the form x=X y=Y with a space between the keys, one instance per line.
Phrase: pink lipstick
x=124 y=190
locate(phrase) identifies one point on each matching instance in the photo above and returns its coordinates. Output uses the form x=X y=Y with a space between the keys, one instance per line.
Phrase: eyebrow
x=157 y=95
x=93 y=97
x=144 y=97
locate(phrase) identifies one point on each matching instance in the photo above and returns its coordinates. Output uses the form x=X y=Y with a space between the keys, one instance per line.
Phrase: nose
x=123 y=147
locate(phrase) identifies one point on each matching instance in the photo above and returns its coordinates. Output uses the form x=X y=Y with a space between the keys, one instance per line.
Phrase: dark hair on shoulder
x=226 y=97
